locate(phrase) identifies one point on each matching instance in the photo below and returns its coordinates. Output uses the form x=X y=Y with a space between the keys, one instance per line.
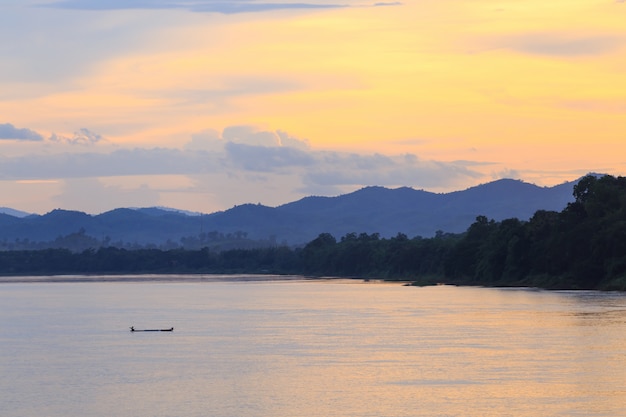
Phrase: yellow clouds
x=460 y=74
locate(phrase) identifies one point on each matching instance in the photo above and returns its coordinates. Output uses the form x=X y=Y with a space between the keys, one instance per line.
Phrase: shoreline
x=149 y=278
x=169 y=278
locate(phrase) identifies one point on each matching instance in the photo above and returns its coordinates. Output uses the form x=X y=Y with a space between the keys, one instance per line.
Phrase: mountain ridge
x=369 y=210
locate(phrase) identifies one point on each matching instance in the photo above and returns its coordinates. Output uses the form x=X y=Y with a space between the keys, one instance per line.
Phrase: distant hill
x=368 y=210
x=13 y=212
x=422 y=213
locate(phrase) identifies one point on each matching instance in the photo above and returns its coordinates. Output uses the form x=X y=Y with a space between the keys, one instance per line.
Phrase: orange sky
x=533 y=90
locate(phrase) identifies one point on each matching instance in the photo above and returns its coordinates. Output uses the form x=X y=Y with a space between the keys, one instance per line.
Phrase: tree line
x=581 y=247
x=80 y=241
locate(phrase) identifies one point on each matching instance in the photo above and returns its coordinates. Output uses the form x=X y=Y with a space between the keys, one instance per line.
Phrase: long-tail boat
x=132 y=329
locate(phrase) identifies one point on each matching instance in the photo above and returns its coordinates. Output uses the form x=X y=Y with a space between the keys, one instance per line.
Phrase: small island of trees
x=581 y=247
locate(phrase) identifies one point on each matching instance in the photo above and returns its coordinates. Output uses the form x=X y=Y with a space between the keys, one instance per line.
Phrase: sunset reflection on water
x=309 y=348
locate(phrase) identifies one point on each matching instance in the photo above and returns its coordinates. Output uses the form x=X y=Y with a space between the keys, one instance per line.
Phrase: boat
x=132 y=329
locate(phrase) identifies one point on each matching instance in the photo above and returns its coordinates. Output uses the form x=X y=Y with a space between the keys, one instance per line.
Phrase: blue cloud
x=206 y=6
x=236 y=156
x=265 y=158
x=8 y=131
x=113 y=4
x=83 y=136
x=338 y=169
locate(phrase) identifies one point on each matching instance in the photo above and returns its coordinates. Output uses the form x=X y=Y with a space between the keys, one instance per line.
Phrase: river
x=292 y=347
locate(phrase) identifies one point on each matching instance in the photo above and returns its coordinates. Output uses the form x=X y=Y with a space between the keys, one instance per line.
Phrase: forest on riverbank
x=581 y=247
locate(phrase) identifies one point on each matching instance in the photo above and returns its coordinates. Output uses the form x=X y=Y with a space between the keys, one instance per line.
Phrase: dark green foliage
x=317 y=257
x=582 y=247
x=121 y=261
x=370 y=256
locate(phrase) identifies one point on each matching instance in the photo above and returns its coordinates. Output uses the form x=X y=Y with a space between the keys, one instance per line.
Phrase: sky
x=202 y=105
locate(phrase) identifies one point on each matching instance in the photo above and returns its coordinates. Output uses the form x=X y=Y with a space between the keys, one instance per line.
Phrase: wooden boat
x=132 y=329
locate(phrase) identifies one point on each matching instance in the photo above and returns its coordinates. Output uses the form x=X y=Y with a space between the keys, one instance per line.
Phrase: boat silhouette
x=132 y=329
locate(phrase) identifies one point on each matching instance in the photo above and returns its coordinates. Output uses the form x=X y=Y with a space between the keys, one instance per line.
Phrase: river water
x=290 y=348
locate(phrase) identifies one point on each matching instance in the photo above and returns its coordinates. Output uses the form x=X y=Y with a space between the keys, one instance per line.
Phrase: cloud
x=51 y=46
x=206 y=140
x=243 y=148
x=254 y=136
x=233 y=7
x=121 y=162
x=205 y=6
x=466 y=163
x=249 y=150
x=560 y=45
x=83 y=136
x=8 y=131
x=266 y=158
x=250 y=135
x=241 y=164
x=507 y=173
x=292 y=142
x=212 y=140
x=238 y=150
x=402 y=170
x=88 y=194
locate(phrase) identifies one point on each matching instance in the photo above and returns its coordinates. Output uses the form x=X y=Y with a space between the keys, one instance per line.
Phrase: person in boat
x=132 y=328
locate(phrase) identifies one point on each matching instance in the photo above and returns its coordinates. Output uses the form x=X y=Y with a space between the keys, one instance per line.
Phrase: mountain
x=13 y=212
x=421 y=213
x=160 y=210
x=368 y=210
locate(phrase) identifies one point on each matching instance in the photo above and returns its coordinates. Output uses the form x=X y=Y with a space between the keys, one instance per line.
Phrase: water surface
x=308 y=348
